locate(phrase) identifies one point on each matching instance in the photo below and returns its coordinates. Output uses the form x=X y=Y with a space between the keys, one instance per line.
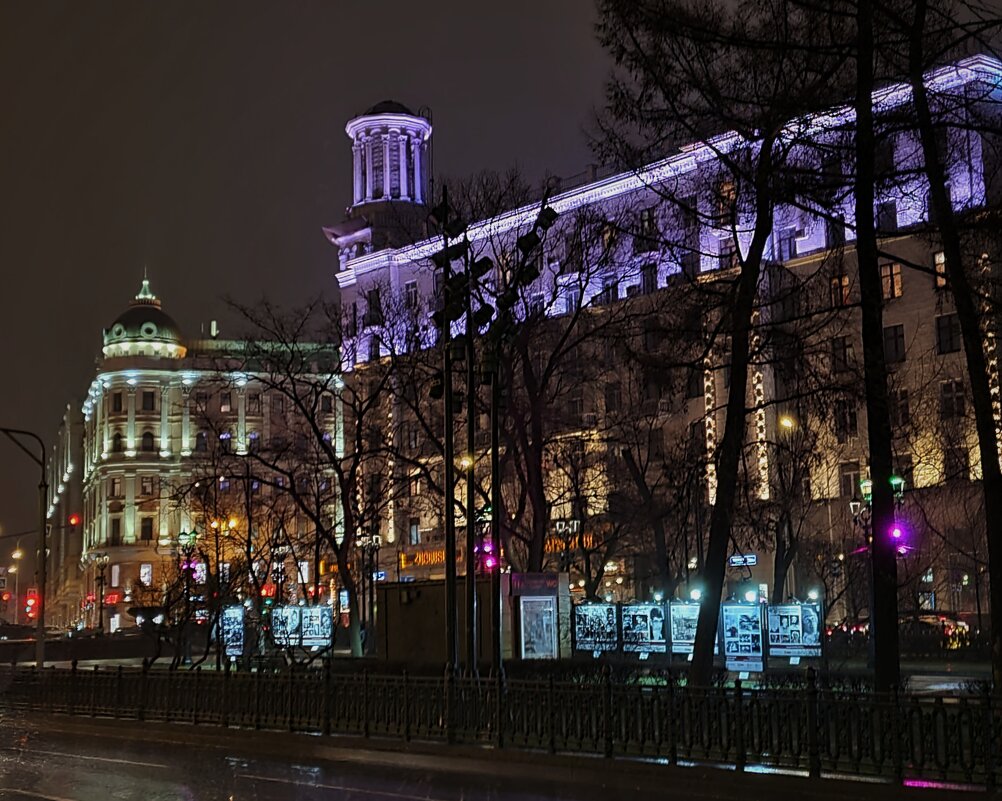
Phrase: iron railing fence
x=895 y=736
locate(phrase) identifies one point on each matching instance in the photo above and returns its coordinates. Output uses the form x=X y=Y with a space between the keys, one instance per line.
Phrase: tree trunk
x=883 y=553
x=655 y=520
x=732 y=442
x=970 y=328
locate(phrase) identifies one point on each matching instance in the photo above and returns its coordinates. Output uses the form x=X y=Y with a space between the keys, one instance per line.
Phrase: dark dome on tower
x=144 y=329
x=389 y=107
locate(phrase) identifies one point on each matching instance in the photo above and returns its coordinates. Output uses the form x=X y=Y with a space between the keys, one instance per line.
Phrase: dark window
x=898 y=407
x=116 y=443
x=147 y=442
x=373 y=308
x=883 y=158
x=225 y=401
x=887 y=216
x=146 y=486
x=146 y=529
x=374 y=348
x=149 y=401
x=116 y=487
x=947 y=333
x=843 y=355
x=201 y=442
x=649 y=278
x=951 y=399
x=613 y=396
x=848 y=473
x=906 y=469
x=890 y=280
x=694 y=384
x=254 y=442
x=202 y=401
x=254 y=404
x=727 y=254
x=225 y=440
x=835 y=232
x=609 y=235
x=116 y=402
x=930 y=209
x=411 y=294
x=840 y=290
x=414 y=485
x=278 y=404
x=326 y=403
x=691 y=265
x=116 y=531
x=956 y=463
x=786 y=243
x=727 y=196
x=845 y=420
x=894 y=343
x=646 y=238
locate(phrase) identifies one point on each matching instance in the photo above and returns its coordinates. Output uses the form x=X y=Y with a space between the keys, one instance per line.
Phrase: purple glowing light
x=897 y=533
x=490 y=562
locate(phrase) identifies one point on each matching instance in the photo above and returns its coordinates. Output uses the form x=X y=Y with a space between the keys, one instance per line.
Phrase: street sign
x=743 y=560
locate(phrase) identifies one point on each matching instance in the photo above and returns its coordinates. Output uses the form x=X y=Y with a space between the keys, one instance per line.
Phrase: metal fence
x=899 y=737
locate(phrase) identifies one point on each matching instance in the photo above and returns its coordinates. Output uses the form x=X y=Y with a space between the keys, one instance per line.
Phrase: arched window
x=147 y=443
x=116 y=443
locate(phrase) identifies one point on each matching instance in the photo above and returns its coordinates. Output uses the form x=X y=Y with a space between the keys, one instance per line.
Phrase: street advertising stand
x=644 y=628
x=596 y=628
x=232 y=627
x=741 y=637
x=794 y=631
x=537 y=614
x=310 y=627
x=683 y=616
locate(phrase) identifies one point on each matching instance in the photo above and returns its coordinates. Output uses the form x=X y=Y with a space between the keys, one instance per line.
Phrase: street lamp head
x=855 y=507
x=695 y=594
x=18 y=554
x=232 y=523
x=12 y=569
x=812 y=595
x=787 y=422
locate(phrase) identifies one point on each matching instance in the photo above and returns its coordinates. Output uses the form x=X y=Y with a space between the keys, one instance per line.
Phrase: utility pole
x=470 y=464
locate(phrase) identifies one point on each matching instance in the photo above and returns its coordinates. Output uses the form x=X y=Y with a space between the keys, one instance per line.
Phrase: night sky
x=205 y=141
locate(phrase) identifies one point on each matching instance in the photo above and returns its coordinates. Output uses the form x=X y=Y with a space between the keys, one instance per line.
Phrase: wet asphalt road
x=38 y=764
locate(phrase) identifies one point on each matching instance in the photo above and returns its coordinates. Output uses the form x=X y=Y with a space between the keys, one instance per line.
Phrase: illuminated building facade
x=625 y=262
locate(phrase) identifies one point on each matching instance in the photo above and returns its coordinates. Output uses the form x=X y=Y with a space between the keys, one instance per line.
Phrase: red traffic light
x=5 y=597
x=74 y=519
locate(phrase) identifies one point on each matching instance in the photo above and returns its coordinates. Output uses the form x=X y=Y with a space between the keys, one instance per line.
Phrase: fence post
x=407 y=708
x=450 y=734
x=989 y=701
x=93 y=693
x=672 y=717
x=194 y=696
x=740 y=757
x=328 y=689
x=552 y=743
x=72 y=701
x=144 y=679
x=607 y=710
x=499 y=706
x=118 y=692
x=257 y=697
x=365 y=701
x=896 y=736
x=225 y=712
x=813 y=749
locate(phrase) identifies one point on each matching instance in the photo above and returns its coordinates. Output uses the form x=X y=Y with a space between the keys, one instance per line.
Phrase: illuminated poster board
x=596 y=627
x=285 y=626
x=539 y=627
x=683 y=616
x=316 y=626
x=795 y=630
x=232 y=627
x=645 y=628
x=741 y=632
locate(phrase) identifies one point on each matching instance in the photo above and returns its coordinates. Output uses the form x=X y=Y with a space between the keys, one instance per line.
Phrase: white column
x=418 y=177
x=130 y=437
x=404 y=191
x=241 y=421
x=185 y=422
x=356 y=152
x=368 y=168
x=386 y=165
x=164 y=421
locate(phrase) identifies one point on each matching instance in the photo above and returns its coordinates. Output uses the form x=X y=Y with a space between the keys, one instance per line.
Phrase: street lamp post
x=16 y=570
x=368 y=546
x=14 y=435
x=101 y=560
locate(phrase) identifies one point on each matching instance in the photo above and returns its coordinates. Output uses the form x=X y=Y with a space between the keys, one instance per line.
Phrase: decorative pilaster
x=356 y=152
x=367 y=142
x=418 y=176
x=185 y=421
x=241 y=444
x=402 y=171
x=130 y=431
x=386 y=165
x=164 y=421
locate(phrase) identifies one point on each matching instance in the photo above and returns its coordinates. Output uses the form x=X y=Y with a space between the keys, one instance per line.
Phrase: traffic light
x=31 y=603
x=73 y=519
x=5 y=597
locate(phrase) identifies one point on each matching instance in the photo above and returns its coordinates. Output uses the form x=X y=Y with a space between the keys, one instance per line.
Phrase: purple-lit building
x=648 y=233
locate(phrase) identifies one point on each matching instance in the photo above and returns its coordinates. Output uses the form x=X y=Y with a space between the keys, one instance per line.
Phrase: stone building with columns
x=157 y=410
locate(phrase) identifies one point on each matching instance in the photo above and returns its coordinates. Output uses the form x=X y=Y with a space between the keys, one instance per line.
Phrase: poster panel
x=645 y=628
x=683 y=616
x=741 y=632
x=539 y=627
x=317 y=626
x=232 y=624
x=595 y=627
x=795 y=630
x=285 y=626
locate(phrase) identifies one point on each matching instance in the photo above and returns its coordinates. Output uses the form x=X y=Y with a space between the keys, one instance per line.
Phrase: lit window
x=116 y=575
x=890 y=279
x=146 y=574
x=414 y=531
x=840 y=290
x=225 y=401
x=146 y=486
x=939 y=267
x=411 y=294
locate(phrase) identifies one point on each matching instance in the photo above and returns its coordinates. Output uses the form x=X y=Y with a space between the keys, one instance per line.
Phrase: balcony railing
x=898 y=737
